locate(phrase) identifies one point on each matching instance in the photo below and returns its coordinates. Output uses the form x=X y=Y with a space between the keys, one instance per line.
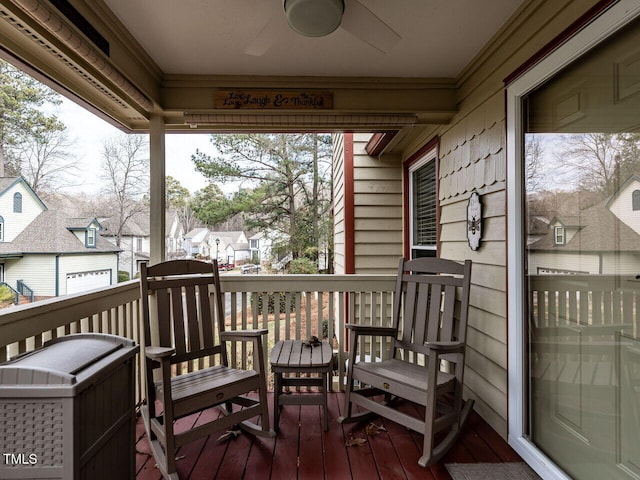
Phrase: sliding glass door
x=581 y=201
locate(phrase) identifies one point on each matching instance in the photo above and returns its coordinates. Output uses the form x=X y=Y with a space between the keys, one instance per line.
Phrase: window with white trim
x=559 y=235
x=635 y=200
x=91 y=237
x=423 y=206
x=17 y=202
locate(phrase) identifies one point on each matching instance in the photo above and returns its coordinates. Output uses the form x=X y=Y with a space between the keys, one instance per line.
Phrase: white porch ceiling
x=134 y=60
x=209 y=37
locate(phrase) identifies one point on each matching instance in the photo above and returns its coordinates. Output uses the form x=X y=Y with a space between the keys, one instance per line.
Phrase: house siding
x=78 y=263
x=14 y=223
x=338 y=204
x=622 y=206
x=43 y=284
x=473 y=158
x=378 y=212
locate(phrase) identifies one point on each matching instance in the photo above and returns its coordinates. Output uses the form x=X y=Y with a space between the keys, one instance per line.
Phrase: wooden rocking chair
x=192 y=359
x=426 y=360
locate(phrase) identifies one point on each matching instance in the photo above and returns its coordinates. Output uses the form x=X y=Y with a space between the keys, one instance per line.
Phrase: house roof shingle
x=58 y=238
x=599 y=230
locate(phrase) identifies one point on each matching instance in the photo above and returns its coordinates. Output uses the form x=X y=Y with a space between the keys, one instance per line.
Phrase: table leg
x=325 y=384
x=277 y=390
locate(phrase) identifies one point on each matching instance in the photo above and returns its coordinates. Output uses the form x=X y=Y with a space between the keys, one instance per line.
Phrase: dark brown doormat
x=493 y=471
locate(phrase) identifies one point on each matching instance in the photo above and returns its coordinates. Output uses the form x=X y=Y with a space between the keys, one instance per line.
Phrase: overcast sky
x=88 y=132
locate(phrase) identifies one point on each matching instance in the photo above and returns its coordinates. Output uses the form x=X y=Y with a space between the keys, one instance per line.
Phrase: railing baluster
x=277 y=297
x=308 y=314
x=115 y=310
x=298 y=316
x=287 y=316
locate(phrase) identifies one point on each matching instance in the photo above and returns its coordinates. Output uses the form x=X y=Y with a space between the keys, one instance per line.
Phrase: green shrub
x=271 y=302
x=6 y=295
x=303 y=265
x=123 y=276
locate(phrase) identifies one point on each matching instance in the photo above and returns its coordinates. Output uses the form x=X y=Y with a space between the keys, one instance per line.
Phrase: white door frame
x=602 y=27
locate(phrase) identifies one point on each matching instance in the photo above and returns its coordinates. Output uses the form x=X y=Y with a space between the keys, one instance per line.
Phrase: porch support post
x=157 y=187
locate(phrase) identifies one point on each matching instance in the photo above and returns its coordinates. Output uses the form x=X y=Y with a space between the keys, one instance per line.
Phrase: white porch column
x=157 y=187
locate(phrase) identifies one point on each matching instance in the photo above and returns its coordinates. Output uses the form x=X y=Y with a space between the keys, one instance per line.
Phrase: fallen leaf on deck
x=355 y=442
x=231 y=434
x=372 y=429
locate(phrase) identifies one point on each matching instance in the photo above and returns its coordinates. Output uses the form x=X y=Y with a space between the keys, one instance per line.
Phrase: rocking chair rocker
x=192 y=359
x=426 y=361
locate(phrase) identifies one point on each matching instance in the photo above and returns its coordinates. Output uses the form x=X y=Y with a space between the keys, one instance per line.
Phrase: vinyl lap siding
x=43 y=283
x=86 y=263
x=14 y=223
x=473 y=158
x=377 y=211
x=338 y=203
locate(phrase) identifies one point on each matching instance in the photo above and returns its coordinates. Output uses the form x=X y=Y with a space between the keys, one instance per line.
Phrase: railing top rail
x=307 y=283
x=599 y=282
x=24 y=321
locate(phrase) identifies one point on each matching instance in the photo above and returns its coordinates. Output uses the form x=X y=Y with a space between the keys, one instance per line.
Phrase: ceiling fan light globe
x=314 y=18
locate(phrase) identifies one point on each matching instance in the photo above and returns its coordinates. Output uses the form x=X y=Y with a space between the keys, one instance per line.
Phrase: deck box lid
x=61 y=360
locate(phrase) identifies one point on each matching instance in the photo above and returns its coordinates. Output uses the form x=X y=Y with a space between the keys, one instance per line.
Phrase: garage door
x=83 y=281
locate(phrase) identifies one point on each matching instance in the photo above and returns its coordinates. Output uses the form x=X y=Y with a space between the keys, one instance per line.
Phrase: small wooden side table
x=295 y=356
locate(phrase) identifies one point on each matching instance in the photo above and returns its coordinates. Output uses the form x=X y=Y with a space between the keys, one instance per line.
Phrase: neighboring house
x=47 y=252
x=603 y=239
x=261 y=248
x=196 y=243
x=233 y=247
x=135 y=242
x=174 y=237
x=228 y=247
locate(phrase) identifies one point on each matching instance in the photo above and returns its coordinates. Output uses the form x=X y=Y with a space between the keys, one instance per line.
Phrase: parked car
x=225 y=267
x=250 y=268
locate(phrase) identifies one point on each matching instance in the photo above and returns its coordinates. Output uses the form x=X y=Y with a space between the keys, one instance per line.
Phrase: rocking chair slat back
x=429 y=323
x=425 y=311
x=185 y=314
x=187 y=369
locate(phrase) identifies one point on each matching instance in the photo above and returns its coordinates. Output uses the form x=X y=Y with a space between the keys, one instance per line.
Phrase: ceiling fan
x=317 y=18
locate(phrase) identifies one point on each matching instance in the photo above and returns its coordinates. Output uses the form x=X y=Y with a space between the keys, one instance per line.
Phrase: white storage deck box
x=67 y=410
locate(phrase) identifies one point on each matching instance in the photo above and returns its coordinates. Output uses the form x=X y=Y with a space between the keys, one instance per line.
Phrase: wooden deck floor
x=302 y=450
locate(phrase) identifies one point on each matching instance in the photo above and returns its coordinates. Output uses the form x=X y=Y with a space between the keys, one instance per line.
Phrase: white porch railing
x=304 y=305
x=113 y=310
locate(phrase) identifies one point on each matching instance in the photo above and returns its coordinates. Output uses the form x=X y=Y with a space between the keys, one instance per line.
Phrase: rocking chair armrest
x=158 y=353
x=445 y=347
x=371 y=330
x=242 y=335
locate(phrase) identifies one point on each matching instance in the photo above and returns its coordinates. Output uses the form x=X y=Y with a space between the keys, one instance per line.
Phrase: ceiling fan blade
x=364 y=24
x=266 y=38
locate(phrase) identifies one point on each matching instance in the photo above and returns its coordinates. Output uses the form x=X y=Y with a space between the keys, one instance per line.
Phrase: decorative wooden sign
x=272 y=100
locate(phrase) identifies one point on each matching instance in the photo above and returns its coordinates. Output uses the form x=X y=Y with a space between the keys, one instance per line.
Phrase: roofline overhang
x=129 y=89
